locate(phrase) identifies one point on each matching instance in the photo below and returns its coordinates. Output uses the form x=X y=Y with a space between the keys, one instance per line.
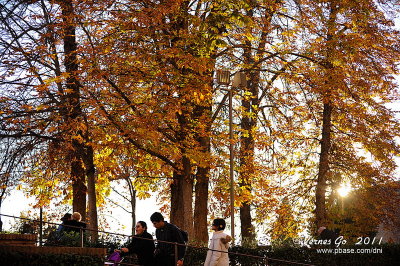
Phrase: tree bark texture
x=202 y=113
x=132 y=193
x=182 y=198
x=74 y=108
x=323 y=167
x=250 y=104
x=320 y=208
x=246 y=157
x=92 y=199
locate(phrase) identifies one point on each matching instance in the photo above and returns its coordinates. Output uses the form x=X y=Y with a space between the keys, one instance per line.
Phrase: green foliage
x=22 y=259
x=195 y=256
x=267 y=255
x=72 y=239
x=249 y=242
x=67 y=239
x=282 y=242
x=287 y=255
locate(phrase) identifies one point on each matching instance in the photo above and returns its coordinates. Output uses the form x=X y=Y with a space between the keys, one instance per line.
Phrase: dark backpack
x=184 y=234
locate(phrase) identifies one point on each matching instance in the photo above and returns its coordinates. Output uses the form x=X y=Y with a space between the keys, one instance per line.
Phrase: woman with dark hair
x=142 y=245
x=217 y=251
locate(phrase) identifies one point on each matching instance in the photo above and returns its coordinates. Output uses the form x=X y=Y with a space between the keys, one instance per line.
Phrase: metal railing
x=263 y=259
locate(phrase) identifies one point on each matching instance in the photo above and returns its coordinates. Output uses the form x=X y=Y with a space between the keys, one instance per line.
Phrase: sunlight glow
x=344 y=190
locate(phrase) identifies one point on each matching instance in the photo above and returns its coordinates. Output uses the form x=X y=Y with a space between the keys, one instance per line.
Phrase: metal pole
x=231 y=167
x=81 y=236
x=41 y=226
x=176 y=252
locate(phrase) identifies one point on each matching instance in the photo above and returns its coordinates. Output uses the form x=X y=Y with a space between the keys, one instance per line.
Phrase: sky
x=119 y=220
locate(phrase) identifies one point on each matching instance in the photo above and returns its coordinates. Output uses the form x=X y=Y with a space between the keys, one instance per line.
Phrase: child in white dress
x=219 y=242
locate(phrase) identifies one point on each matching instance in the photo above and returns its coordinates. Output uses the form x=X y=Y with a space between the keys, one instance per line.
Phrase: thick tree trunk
x=182 y=186
x=202 y=113
x=74 y=108
x=246 y=154
x=250 y=107
x=201 y=206
x=78 y=186
x=91 y=184
x=323 y=167
x=320 y=208
x=247 y=172
x=182 y=198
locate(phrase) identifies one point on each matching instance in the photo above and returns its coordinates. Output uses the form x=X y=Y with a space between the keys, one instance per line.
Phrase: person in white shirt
x=219 y=242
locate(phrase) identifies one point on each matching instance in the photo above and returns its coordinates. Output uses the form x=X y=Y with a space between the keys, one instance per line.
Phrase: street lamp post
x=232 y=195
x=239 y=80
x=223 y=78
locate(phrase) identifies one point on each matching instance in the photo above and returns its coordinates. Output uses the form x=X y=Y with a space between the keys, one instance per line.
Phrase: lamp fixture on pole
x=223 y=77
x=239 y=81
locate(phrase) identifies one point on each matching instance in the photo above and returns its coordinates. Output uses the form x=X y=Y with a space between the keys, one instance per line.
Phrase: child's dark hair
x=219 y=223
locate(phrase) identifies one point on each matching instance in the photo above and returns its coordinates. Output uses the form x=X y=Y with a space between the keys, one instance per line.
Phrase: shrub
x=23 y=259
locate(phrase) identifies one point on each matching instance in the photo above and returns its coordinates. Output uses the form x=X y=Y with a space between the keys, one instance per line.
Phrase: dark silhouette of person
x=326 y=234
x=65 y=218
x=164 y=254
x=142 y=245
x=75 y=224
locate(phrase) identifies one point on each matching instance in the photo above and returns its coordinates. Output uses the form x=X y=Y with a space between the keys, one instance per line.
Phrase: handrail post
x=41 y=227
x=81 y=237
x=176 y=253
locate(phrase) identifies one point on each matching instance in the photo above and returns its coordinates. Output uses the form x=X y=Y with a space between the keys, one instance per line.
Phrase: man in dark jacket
x=165 y=252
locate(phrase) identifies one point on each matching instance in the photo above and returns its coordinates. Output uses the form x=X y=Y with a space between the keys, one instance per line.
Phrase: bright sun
x=344 y=190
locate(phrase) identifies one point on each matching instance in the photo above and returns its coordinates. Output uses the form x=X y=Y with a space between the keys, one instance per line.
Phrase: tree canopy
x=94 y=91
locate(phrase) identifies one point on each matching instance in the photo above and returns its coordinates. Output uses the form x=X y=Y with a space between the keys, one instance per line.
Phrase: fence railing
x=83 y=239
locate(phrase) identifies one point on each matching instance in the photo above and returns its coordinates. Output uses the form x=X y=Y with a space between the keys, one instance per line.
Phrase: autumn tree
x=25 y=117
x=255 y=56
x=262 y=58
x=13 y=153
x=348 y=62
x=286 y=226
x=127 y=86
x=81 y=151
x=164 y=91
x=40 y=78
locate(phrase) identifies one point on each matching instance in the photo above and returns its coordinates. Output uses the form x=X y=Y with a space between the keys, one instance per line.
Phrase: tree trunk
x=74 y=108
x=247 y=170
x=78 y=187
x=250 y=104
x=323 y=167
x=132 y=193
x=182 y=198
x=201 y=206
x=202 y=113
x=91 y=184
x=320 y=208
